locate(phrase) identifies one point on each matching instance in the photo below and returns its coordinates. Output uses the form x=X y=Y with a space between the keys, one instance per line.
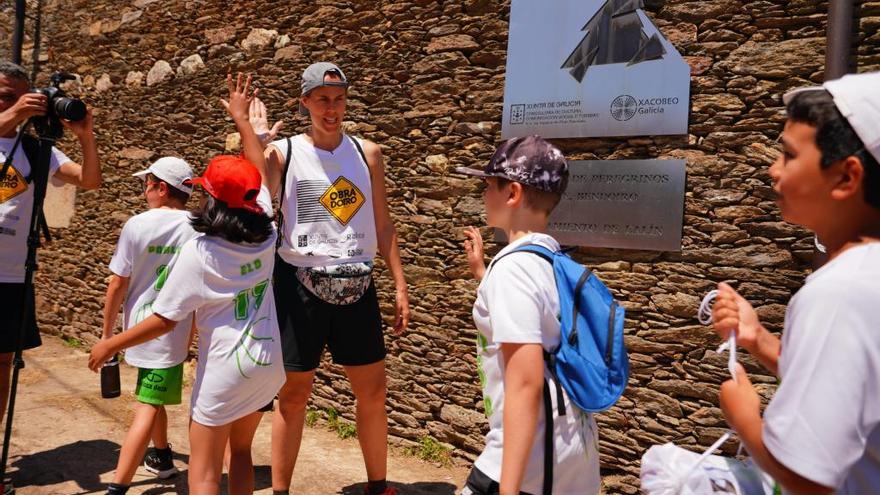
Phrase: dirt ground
x=66 y=440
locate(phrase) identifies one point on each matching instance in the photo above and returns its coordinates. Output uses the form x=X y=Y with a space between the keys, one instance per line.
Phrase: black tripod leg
x=40 y=174
x=44 y=228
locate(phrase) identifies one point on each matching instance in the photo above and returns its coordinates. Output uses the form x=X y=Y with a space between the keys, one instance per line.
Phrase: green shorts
x=160 y=387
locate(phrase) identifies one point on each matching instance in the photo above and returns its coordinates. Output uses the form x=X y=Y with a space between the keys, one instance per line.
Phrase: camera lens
x=69 y=108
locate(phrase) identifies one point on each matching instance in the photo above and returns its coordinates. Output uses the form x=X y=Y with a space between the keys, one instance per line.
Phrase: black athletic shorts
x=352 y=332
x=12 y=300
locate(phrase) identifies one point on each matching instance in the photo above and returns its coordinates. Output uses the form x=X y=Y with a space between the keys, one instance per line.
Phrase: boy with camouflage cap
x=516 y=317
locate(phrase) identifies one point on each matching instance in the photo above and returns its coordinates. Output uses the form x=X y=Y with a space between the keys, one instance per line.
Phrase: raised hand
x=238 y=106
x=240 y=96
x=260 y=122
x=473 y=248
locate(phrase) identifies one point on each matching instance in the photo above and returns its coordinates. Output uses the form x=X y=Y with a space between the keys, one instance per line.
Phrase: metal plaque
x=630 y=204
x=583 y=68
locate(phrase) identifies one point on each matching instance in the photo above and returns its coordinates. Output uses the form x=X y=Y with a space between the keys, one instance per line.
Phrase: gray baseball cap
x=529 y=160
x=313 y=77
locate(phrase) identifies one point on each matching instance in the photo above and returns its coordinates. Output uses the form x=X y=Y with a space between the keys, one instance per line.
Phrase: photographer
x=17 y=105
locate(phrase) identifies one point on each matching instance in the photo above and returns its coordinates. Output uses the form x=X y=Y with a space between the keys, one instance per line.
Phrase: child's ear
x=515 y=193
x=851 y=174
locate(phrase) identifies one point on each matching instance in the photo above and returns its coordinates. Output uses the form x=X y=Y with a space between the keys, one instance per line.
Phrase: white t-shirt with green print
x=147 y=250
x=229 y=287
x=517 y=302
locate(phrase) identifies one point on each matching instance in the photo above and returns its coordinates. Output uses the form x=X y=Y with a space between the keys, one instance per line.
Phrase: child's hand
x=240 y=97
x=101 y=353
x=731 y=312
x=740 y=402
x=473 y=248
x=260 y=122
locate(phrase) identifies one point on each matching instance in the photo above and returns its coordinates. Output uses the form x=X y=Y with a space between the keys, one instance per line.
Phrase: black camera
x=59 y=106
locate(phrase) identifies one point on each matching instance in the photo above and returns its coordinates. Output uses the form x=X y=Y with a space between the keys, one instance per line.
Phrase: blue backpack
x=591 y=362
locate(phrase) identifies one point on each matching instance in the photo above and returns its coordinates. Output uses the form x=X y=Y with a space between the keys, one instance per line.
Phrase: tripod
x=40 y=177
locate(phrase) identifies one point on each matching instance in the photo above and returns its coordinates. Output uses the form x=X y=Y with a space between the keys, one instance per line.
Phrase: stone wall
x=428 y=85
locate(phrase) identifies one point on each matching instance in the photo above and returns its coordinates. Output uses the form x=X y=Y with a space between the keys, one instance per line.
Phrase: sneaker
x=160 y=462
x=115 y=489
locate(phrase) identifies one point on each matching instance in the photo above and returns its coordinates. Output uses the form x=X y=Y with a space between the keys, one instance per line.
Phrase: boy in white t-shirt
x=820 y=433
x=224 y=278
x=145 y=254
x=516 y=314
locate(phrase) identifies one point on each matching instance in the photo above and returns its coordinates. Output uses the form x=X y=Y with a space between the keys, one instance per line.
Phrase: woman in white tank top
x=334 y=218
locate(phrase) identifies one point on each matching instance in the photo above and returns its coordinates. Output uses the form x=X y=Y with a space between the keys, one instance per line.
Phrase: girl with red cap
x=224 y=278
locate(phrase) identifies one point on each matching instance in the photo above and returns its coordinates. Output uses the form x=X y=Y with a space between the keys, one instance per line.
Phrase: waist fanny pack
x=339 y=284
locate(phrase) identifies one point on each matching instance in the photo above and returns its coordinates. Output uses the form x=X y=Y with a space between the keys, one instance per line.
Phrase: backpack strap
x=525 y=248
x=548 y=439
x=280 y=214
x=573 y=335
x=549 y=357
x=549 y=443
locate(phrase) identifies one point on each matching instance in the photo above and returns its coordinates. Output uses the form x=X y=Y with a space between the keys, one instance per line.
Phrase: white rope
x=704 y=315
x=715 y=446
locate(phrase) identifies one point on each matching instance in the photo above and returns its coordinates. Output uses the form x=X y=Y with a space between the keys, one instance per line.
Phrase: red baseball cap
x=232 y=180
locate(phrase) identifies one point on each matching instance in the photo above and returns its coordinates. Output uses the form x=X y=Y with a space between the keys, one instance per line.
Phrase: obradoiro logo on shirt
x=343 y=199
x=11 y=185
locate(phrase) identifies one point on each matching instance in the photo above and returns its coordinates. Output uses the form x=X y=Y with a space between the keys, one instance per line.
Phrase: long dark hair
x=233 y=224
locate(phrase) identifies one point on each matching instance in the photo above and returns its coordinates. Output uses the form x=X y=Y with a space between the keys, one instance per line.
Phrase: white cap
x=172 y=170
x=857 y=96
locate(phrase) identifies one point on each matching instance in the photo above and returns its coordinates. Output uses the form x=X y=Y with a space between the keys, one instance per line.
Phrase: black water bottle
x=110 y=386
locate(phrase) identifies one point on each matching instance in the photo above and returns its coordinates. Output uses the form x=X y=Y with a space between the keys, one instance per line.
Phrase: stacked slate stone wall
x=428 y=86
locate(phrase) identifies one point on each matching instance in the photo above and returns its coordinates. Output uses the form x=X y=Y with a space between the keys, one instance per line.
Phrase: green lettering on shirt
x=163 y=249
x=242 y=299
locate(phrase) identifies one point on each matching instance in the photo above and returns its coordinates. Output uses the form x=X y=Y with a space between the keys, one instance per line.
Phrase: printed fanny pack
x=339 y=284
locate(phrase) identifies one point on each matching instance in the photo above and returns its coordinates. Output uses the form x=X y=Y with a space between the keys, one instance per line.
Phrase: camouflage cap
x=529 y=160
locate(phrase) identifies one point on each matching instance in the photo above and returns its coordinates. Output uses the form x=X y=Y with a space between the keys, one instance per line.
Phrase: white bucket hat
x=857 y=96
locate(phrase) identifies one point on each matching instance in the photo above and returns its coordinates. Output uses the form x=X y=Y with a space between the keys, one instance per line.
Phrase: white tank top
x=327 y=205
